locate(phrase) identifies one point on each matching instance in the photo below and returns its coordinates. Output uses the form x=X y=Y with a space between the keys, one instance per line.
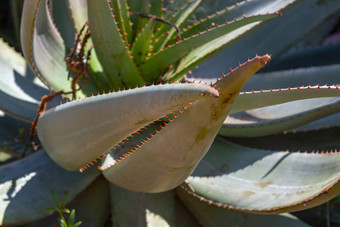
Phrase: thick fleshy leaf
x=141 y=7
x=46 y=53
x=78 y=10
x=141 y=46
x=25 y=187
x=276 y=119
x=326 y=122
x=307 y=57
x=93 y=125
x=20 y=92
x=263 y=98
x=296 y=22
x=63 y=20
x=140 y=209
x=110 y=47
x=183 y=142
x=240 y=8
x=164 y=34
x=156 y=8
x=122 y=17
x=157 y=63
x=92 y=205
x=214 y=215
x=218 y=15
x=9 y=128
x=322 y=140
x=294 y=78
x=266 y=181
x=239 y=11
x=183 y=216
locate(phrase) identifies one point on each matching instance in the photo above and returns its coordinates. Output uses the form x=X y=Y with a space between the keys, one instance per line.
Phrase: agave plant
x=143 y=133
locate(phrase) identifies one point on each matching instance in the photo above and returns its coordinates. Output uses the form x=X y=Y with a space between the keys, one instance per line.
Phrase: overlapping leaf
x=265 y=182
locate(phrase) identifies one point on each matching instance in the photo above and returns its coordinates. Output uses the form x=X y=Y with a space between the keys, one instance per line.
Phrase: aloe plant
x=149 y=131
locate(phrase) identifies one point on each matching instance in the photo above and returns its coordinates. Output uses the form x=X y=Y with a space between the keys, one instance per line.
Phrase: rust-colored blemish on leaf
x=248 y=193
x=263 y=184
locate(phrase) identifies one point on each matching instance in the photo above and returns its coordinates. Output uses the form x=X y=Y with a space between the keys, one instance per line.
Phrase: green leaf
x=156 y=8
x=140 y=209
x=182 y=142
x=122 y=17
x=77 y=224
x=55 y=200
x=71 y=218
x=211 y=214
x=140 y=48
x=26 y=185
x=62 y=223
x=266 y=181
x=105 y=120
x=159 y=62
x=164 y=34
x=110 y=47
x=63 y=202
x=141 y=7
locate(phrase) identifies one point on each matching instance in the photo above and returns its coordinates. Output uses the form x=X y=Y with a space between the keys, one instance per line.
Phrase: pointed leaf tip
x=166 y=160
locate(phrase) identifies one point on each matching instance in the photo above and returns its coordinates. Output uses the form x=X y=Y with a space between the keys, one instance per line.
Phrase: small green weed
x=60 y=208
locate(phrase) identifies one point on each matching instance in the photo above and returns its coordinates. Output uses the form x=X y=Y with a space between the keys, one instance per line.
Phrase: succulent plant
x=157 y=126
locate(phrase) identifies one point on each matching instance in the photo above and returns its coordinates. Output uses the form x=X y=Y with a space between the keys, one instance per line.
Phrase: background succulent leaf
x=103 y=121
x=122 y=17
x=271 y=120
x=309 y=13
x=141 y=46
x=246 y=100
x=79 y=14
x=239 y=8
x=26 y=184
x=323 y=123
x=64 y=21
x=78 y=10
x=321 y=140
x=42 y=45
x=157 y=63
x=315 y=56
x=265 y=181
x=147 y=209
x=110 y=47
x=294 y=78
x=178 y=18
x=156 y=8
x=20 y=92
x=215 y=215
